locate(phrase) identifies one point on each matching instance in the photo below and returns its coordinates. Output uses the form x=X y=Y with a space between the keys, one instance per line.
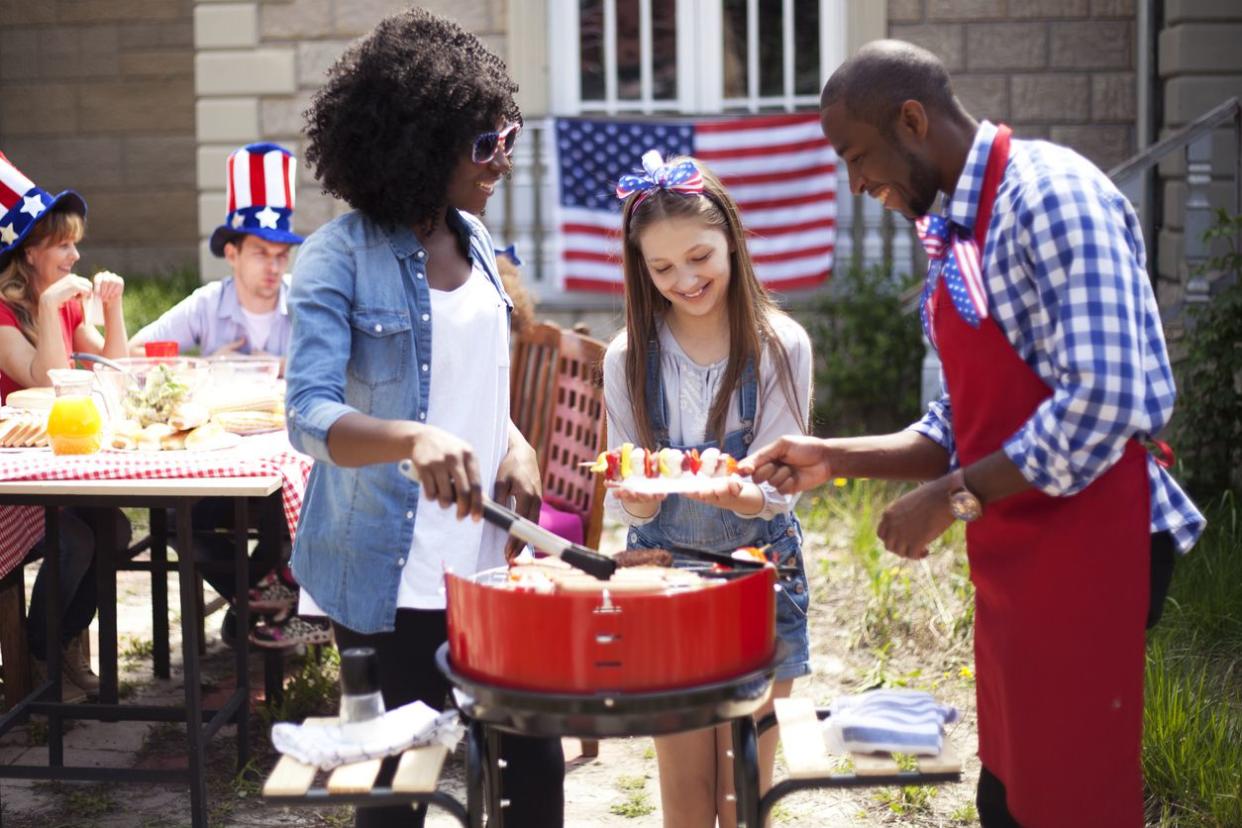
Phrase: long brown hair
x=17 y=280
x=750 y=307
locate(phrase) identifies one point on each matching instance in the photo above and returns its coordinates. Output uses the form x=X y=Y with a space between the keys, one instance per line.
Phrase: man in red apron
x=1055 y=372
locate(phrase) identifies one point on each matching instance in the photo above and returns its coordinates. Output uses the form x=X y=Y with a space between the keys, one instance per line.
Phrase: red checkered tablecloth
x=21 y=527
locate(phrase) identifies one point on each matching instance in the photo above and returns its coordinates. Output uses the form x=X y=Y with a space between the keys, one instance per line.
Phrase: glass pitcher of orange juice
x=74 y=425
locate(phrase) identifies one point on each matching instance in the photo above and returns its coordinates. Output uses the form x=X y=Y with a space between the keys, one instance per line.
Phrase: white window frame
x=700 y=70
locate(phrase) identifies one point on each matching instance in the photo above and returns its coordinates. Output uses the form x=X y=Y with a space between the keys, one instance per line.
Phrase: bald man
x=1055 y=378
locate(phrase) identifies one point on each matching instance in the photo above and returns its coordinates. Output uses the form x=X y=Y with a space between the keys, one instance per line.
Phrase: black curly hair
x=399 y=109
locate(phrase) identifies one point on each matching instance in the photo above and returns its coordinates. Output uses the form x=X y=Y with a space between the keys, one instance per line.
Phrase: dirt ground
x=618 y=788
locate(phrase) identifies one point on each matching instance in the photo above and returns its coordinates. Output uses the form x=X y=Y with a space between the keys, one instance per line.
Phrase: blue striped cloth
x=892 y=721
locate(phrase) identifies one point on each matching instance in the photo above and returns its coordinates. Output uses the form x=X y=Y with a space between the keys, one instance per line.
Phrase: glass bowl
x=224 y=371
x=150 y=388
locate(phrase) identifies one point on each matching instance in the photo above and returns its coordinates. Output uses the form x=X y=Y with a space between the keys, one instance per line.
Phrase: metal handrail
x=1230 y=110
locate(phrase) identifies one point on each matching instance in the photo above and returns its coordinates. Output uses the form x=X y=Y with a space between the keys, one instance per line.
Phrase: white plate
x=674 y=485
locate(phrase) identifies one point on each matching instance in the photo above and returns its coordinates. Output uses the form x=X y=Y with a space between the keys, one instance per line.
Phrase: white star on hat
x=7 y=234
x=267 y=218
x=33 y=205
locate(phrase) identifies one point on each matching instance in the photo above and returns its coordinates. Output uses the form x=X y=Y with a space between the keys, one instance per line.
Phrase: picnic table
x=35 y=484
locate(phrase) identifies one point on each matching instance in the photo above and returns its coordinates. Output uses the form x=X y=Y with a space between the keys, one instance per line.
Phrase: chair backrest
x=532 y=380
x=577 y=433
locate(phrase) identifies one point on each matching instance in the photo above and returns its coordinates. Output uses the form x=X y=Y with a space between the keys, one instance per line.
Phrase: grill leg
x=476 y=757
x=746 y=771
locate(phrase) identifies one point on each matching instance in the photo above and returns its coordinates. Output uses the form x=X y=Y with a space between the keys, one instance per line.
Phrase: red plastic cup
x=161 y=349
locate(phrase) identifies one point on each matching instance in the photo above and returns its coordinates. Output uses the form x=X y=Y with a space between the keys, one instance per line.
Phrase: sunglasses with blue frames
x=489 y=143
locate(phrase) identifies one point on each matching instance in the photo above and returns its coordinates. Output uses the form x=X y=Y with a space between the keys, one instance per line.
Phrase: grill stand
x=490 y=710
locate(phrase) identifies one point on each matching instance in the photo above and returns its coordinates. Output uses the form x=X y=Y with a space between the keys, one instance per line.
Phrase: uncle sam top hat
x=22 y=204
x=260 y=196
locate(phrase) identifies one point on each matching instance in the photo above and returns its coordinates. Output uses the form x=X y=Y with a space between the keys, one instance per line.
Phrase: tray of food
x=666 y=470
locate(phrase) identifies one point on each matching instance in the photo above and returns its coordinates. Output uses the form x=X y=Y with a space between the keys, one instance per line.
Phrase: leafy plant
x=1209 y=418
x=148 y=297
x=868 y=355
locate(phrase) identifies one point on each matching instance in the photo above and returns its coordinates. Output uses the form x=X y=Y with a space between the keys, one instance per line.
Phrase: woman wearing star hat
x=42 y=322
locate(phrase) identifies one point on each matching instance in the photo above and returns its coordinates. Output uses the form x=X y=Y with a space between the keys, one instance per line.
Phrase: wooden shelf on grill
x=418 y=772
x=808 y=759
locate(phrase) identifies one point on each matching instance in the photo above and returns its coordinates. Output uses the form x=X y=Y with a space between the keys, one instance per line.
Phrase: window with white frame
x=692 y=56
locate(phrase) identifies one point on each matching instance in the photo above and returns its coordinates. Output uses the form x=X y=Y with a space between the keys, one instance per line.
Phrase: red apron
x=1061 y=593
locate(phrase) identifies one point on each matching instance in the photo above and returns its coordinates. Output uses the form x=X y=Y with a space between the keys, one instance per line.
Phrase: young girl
x=42 y=322
x=400 y=349
x=706 y=360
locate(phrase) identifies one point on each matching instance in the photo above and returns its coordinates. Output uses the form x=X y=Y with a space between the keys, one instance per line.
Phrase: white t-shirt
x=258 y=328
x=470 y=399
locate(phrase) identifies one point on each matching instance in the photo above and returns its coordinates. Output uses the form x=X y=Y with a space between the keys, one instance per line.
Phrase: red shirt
x=70 y=317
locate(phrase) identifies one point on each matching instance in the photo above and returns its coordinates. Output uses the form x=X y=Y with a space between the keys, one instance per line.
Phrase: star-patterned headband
x=683 y=177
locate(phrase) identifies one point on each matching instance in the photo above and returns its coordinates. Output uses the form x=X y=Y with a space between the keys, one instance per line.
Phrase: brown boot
x=69 y=692
x=77 y=665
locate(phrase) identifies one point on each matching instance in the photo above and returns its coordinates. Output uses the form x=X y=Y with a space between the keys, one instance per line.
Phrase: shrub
x=147 y=297
x=868 y=355
x=1208 y=430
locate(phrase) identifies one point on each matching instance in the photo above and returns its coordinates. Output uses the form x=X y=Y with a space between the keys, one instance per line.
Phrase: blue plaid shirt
x=1066 y=278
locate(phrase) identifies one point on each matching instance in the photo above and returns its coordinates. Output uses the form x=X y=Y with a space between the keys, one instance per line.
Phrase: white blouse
x=690 y=388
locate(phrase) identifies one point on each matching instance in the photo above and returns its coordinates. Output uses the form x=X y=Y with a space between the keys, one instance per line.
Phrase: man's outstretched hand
x=791 y=464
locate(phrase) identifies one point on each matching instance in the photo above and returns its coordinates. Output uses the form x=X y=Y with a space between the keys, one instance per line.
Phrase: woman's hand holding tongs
x=518 y=477
x=447 y=471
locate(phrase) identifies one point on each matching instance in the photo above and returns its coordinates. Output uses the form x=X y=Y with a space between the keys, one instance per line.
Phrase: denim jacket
x=361 y=342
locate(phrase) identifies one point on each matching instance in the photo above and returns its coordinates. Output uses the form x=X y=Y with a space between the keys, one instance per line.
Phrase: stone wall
x=1200 y=65
x=256 y=67
x=1056 y=69
x=97 y=96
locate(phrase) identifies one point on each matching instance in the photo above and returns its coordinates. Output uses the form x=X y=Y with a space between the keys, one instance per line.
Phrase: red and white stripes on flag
x=259 y=179
x=966 y=252
x=779 y=169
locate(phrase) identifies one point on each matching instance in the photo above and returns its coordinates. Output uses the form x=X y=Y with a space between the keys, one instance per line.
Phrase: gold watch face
x=965 y=506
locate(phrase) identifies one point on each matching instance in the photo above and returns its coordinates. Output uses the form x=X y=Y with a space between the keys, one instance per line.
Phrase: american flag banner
x=779 y=169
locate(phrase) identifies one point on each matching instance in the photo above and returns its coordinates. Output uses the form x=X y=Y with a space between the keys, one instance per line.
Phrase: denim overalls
x=688 y=523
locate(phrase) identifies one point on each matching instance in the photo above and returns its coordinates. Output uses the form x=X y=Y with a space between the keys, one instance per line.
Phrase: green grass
x=1192 y=722
x=925 y=604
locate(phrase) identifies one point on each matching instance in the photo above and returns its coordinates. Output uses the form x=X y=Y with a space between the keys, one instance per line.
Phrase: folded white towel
x=328 y=745
x=893 y=721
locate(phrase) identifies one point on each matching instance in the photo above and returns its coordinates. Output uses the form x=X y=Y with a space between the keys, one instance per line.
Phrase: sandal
x=275 y=594
x=294 y=631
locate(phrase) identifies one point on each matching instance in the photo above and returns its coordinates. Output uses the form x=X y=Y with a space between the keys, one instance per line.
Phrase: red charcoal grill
x=608 y=664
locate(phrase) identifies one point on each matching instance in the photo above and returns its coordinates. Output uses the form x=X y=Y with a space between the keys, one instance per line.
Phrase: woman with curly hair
x=400 y=349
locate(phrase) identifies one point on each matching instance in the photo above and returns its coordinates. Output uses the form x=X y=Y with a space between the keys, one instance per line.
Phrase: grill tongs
x=588 y=560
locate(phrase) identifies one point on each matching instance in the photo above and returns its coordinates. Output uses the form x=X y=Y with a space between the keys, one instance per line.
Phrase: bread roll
x=189 y=415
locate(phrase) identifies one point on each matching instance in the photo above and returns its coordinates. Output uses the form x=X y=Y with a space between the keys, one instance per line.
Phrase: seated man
x=244 y=313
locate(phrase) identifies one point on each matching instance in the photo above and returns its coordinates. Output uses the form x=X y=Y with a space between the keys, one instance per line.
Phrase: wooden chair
x=532 y=380
x=576 y=434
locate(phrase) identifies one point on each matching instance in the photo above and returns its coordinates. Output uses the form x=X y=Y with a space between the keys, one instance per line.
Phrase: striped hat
x=261 y=197
x=22 y=204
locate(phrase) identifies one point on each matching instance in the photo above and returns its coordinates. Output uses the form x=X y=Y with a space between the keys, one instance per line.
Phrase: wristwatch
x=963 y=503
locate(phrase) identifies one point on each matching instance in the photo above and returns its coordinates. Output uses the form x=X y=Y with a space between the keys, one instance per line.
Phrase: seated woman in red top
x=41 y=323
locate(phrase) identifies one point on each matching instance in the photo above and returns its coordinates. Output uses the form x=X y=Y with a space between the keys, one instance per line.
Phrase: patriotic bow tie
x=956 y=258
x=683 y=177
